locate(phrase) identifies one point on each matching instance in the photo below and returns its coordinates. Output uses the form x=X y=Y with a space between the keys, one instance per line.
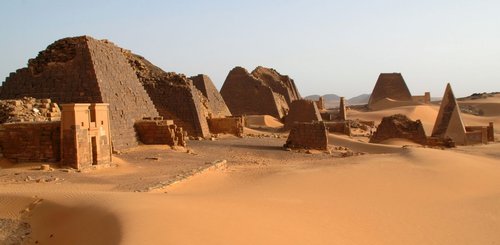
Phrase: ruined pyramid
x=262 y=92
x=85 y=70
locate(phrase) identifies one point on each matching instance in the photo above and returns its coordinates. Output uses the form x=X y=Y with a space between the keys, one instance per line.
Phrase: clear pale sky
x=325 y=46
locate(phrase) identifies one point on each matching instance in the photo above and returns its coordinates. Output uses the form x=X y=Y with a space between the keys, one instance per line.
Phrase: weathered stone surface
x=86 y=136
x=342 y=109
x=308 y=136
x=390 y=86
x=449 y=121
x=174 y=96
x=29 y=110
x=216 y=106
x=160 y=132
x=399 y=126
x=227 y=125
x=302 y=111
x=85 y=70
x=31 y=141
x=281 y=84
x=246 y=94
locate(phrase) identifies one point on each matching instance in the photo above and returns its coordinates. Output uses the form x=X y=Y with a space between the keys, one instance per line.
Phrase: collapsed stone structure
x=449 y=124
x=308 y=135
x=157 y=131
x=262 y=92
x=302 y=111
x=227 y=125
x=391 y=91
x=281 y=84
x=85 y=70
x=29 y=109
x=399 y=126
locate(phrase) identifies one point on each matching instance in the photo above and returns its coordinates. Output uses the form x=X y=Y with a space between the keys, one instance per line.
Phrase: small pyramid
x=216 y=104
x=449 y=122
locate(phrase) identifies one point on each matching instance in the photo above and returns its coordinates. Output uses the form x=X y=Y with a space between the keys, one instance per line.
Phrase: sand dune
x=258 y=121
x=417 y=196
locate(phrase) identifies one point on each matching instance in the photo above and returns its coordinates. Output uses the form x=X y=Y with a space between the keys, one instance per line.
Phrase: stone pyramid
x=390 y=86
x=216 y=105
x=85 y=70
x=246 y=94
x=449 y=122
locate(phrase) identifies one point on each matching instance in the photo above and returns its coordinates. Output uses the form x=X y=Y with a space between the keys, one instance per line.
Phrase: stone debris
x=29 y=109
x=399 y=126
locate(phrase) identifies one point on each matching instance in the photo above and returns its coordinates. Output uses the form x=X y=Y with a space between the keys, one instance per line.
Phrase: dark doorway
x=94 y=150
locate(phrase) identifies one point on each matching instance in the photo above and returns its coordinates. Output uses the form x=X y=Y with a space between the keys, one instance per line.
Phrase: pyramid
x=216 y=104
x=449 y=122
x=85 y=70
x=390 y=87
x=281 y=84
x=174 y=96
x=246 y=94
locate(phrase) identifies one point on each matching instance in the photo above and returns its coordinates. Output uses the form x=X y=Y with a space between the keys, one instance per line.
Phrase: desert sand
x=394 y=193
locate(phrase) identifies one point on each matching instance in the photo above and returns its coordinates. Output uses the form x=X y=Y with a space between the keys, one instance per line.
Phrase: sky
x=327 y=47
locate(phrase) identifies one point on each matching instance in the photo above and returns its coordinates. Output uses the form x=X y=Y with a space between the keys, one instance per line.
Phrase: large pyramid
x=262 y=92
x=389 y=87
x=449 y=122
x=85 y=70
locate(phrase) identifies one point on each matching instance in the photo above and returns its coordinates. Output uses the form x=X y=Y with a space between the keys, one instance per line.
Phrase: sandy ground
x=263 y=194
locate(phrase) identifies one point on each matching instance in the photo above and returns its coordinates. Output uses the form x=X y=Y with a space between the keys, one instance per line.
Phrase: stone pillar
x=321 y=103
x=102 y=131
x=342 y=110
x=427 y=97
x=75 y=141
x=491 y=132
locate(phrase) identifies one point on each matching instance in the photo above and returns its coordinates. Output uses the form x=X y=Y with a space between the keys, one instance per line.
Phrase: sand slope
x=416 y=196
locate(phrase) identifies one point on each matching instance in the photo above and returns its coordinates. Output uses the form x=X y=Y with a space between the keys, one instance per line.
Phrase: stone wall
x=476 y=135
x=160 y=132
x=31 y=142
x=308 y=136
x=399 y=126
x=227 y=125
x=246 y=94
x=302 y=111
x=85 y=70
x=339 y=127
x=422 y=99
